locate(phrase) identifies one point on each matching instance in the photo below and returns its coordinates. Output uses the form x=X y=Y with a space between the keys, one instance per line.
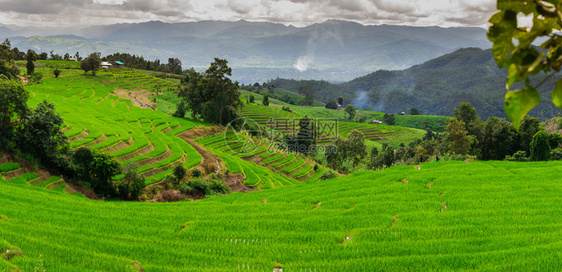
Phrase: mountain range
x=334 y=50
x=435 y=87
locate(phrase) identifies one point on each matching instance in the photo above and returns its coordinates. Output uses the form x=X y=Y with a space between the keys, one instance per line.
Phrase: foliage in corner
x=523 y=60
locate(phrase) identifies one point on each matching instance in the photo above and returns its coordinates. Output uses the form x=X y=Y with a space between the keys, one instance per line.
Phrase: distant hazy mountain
x=437 y=86
x=333 y=50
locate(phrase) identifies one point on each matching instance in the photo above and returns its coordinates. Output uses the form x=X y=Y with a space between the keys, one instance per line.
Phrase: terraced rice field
x=451 y=216
x=263 y=167
x=97 y=118
x=287 y=122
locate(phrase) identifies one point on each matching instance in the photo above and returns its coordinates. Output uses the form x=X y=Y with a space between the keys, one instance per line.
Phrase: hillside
x=489 y=217
x=258 y=51
x=435 y=87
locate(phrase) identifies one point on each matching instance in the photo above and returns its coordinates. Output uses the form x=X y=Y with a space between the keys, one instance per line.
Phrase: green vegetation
x=524 y=60
x=490 y=216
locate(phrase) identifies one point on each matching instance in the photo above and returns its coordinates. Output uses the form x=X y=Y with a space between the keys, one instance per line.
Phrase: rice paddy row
x=447 y=216
x=328 y=129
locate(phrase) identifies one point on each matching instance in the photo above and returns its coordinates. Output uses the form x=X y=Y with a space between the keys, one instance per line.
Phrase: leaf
x=518 y=103
x=557 y=94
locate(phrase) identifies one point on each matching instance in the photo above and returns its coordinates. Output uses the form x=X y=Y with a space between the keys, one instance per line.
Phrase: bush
x=556 y=154
x=252 y=99
x=287 y=109
x=196 y=173
x=332 y=105
x=200 y=185
x=520 y=156
x=316 y=167
x=36 y=78
x=219 y=186
x=180 y=172
x=328 y=175
x=265 y=100
x=210 y=167
x=56 y=72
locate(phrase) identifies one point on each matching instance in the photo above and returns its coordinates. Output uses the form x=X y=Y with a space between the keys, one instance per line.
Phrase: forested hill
x=434 y=87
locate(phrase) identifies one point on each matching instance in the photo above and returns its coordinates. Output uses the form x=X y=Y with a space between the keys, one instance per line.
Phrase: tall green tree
x=212 y=96
x=30 y=57
x=540 y=149
x=91 y=63
x=349 y=152
x=499 y=139
x=524 y=59
x=41 y=135
x=459 y=140
x=265 y=101
x=389 y=119
x=308 y=92
x=304 y=140
x=350 y=110
x=13 y=108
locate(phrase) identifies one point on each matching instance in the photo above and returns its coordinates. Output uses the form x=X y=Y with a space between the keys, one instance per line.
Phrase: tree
x=389 y=119
x=211 y=95
x=525 y=59
x=473 y=123
x=102 y=168
x=304 y=139
x=308 y=92
x=174 y=64
x=459 y=140
x=91 y=63
x=132 y=185
x=30 y=57
x=5 y=51
x=499 y=139
x=540 y=149
x=41 y=136
x=56 y=72
x=332 y=105
x=77 y=56
x=43 y=56
x=10 y=72
x=13 y=107
x=529 y=127
x=340 y=101
x=350 y=110
x=349 y=151
x=180 y=173
x=265 y=100
x=252 y=98
x=414 y=111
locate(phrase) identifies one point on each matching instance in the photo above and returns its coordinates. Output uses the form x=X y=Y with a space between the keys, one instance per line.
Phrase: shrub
x=196 y=172
x=252 y=99
x=179 y=173
x=328 y=175
x=520 y=156
x=332 y=105
x=200 y=185
x=219 y=186
x=316 y=168
x=210 y=167
x=265 y=100
x=56 y=72
x=36 y=78
x=169 y=196
x=540 y=149
x=556 y=154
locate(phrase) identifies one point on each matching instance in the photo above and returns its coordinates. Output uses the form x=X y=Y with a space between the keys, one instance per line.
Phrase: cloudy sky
x=66 y=13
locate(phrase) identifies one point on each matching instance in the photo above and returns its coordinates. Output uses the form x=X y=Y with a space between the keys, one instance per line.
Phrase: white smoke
x=362 y=100
x=303 y=62
x=327 y=32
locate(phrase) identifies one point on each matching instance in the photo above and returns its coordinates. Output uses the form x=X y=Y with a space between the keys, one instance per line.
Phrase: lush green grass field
x=452 y=216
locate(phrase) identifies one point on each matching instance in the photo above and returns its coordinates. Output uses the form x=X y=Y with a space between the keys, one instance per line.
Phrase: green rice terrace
x=451 y=216
x=329 y=129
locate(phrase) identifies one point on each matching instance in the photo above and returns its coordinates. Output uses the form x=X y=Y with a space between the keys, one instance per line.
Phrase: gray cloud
x=297 y=12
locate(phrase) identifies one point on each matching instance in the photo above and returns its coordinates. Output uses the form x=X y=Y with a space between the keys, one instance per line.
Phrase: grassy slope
x=483 y=216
